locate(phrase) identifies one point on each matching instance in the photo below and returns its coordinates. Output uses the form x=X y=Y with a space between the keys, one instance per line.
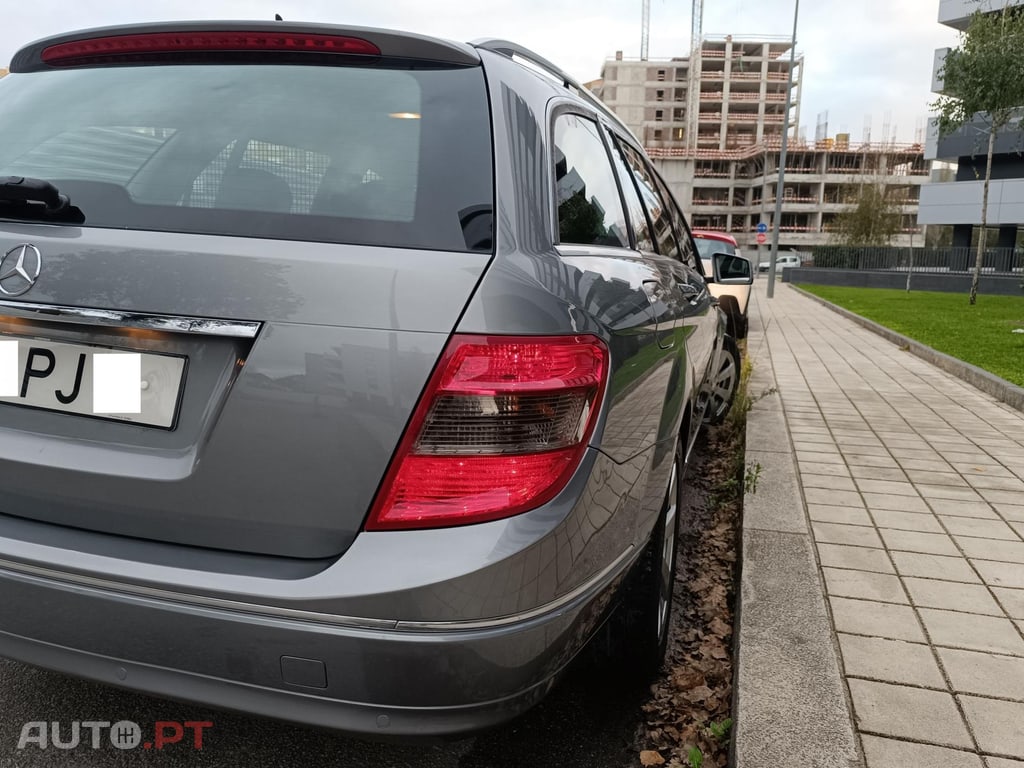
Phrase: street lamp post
x=782 y=161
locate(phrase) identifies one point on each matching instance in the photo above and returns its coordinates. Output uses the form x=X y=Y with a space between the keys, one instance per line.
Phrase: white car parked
x=782 y=261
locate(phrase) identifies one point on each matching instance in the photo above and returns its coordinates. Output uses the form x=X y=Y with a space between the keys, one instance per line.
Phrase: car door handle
x=690 y=292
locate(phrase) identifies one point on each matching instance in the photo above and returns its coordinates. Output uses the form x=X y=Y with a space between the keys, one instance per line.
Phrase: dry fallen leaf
x=650 y=757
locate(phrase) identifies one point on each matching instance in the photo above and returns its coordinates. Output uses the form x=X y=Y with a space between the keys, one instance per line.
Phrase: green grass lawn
x=980 y=335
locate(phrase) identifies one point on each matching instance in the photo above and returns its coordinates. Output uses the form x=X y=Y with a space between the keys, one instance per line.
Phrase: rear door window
x=661 y=222
x=346 y=154
x=589 y=207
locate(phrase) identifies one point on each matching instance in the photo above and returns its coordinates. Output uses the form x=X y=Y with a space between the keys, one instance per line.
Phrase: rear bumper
x=385 y=682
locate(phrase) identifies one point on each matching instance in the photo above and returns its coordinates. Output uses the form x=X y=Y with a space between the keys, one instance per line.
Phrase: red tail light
x=196 y=42
x=500 y=429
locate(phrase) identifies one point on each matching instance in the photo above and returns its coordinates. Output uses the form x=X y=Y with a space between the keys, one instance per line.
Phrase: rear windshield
x=346 y=154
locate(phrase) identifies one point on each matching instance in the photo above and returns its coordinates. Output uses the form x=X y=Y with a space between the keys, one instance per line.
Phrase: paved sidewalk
x=883 y=580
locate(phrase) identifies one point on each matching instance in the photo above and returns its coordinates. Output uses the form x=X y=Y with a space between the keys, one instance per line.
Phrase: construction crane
x=696 y=24
x=696 y=27
x=645 y=30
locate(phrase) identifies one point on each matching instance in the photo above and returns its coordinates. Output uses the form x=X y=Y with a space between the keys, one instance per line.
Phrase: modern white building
x=958 y=202
x=713 y=122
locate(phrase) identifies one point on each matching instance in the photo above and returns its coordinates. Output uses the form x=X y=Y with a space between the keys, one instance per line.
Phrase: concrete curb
x=989 y=383
x=790 y=702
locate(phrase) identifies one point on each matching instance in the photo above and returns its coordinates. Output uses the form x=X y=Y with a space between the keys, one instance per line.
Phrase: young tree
x=872 y=218
x=984 y=80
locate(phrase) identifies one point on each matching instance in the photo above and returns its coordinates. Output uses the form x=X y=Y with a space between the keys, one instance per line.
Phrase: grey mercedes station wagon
x=412 y=347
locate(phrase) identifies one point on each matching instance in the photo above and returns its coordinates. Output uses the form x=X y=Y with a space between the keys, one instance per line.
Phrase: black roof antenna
x=277 y=17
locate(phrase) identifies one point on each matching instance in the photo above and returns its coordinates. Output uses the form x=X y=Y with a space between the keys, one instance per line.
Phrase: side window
x=589 y=207
x=686 y=248
x=637 y=215
x=659 y=216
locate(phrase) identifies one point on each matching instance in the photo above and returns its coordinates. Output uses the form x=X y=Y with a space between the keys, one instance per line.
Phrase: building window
x=661 y=74
x=657 y=134
x=659 y=95
x=679 y=134
x=659 y=115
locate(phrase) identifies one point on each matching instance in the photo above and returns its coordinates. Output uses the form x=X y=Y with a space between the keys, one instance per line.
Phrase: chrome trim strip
x=351 y=622
x=241 y=329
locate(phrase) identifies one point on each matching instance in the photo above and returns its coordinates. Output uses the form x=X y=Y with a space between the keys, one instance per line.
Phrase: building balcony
x=709 y=117
x=711 y=97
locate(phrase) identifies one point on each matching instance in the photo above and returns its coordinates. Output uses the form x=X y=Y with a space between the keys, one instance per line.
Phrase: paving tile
x=974 y=468
x=864 y=584
x=877 y=473
x=914 y=541
x=915 y=454
x=971 y=631
x=985 y=674
x=855 y=535
x=928 y=465
x=981 y=528
x=1002 y=762
x=934 y=567
x=913 y=713
x=803 y=445
x=992 y=549
x=865 y=460
x=996 y=724
x=864 y=617
x=893 y=661
x=886 y=486
x=821 y=438
x=820 y=468
x=832 y=482
x=1011 y=512
x=819 y=458
x=891 y=753
x=958 y=508
x=996 y=483
x=856 y=558
x=936 y=478
x=948 y=492
x=1002 y=497
x=894 y=502
x=1012 y=601
x=1000 y=574
x=865 y=450
x=824 y=513
x=952 y=596
x=906 y=521
x=835 y=498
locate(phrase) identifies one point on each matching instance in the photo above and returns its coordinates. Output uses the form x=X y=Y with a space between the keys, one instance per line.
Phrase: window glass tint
x=637 y=216
x=685 y=242
x=382 y=156
x=589 y=207
x=660 y=220
x=707 y=246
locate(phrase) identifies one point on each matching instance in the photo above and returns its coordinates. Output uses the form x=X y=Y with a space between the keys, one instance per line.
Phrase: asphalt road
x=588 y=721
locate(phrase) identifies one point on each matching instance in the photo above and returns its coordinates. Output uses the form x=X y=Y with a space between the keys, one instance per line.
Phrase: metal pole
x=782 y=161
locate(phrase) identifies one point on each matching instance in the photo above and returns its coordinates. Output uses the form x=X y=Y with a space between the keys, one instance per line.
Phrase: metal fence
x=997 y=261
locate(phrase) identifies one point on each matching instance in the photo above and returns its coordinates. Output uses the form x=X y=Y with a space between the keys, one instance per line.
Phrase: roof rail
x=510 y=49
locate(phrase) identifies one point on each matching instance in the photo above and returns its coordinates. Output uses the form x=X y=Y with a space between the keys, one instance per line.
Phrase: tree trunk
x=980 y=258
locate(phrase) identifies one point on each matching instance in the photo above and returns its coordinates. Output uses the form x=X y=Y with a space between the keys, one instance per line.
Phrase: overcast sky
x=862 y=57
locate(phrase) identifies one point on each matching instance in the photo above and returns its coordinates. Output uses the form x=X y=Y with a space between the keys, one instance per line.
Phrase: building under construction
x=713 y=121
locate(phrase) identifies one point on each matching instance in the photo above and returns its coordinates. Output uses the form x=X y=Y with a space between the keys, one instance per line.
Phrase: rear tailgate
x=288 y=281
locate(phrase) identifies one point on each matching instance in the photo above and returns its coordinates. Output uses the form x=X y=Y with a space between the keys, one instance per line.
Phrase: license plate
x=123 y=385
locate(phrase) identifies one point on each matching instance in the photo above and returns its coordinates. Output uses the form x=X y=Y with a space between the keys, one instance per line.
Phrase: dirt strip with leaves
x=687 y=720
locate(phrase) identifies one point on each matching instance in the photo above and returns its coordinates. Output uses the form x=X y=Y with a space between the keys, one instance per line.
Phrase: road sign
x=762 y=227
x=761 y=238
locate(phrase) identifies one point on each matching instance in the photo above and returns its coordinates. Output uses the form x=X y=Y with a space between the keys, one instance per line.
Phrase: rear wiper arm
x=23 y=197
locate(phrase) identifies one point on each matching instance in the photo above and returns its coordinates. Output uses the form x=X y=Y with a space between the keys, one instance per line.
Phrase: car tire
x=639 y=631
x=724 y=383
